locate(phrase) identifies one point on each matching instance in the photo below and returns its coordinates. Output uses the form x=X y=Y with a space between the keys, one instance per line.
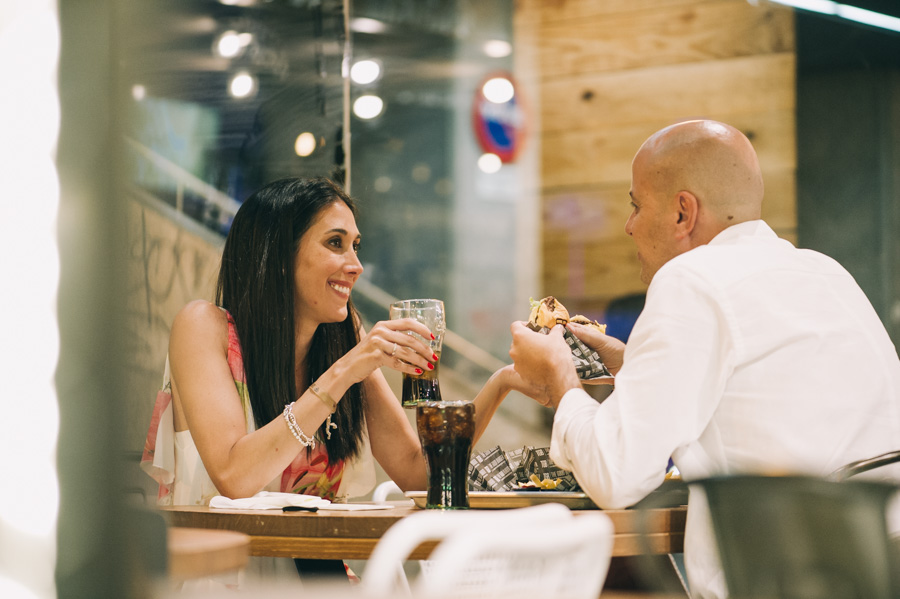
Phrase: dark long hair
x=256 y=285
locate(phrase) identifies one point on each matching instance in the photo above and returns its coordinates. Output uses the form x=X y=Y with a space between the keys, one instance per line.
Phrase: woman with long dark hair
x=277 y=386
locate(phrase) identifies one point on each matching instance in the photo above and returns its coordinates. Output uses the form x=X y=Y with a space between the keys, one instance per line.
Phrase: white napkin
x=268 y=500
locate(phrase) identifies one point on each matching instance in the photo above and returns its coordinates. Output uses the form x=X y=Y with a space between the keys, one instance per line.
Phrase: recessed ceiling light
x=365 y=71
x=229 y=44
x=366 y=25
x=242 y=85
x=305 y=144
x=497 y=48
x=368 y=107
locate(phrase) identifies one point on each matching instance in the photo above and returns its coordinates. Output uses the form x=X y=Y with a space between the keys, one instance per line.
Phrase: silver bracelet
x=295 y=429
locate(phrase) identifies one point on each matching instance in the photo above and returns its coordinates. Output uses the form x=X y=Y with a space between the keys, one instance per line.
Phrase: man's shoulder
x=749 y=256
x=708 y=262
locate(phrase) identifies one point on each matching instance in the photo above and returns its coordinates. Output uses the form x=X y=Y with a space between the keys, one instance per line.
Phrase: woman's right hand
x=390 y=344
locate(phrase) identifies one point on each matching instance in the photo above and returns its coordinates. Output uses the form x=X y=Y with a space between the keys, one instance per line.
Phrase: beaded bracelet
x=295 y=429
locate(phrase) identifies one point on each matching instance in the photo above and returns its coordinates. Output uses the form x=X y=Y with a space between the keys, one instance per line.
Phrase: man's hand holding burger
x=544 y=363
x=542 y=358
x=611 y=350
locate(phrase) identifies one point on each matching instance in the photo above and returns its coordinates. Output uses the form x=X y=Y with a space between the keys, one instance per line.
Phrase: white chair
x=536 y=551
x=385 y=490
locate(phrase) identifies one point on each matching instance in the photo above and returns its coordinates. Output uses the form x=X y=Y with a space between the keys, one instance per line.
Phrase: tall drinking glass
x=446 y=430
x=430 y=312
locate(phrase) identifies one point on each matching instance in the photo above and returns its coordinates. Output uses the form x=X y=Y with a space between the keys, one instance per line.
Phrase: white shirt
x=749 y=356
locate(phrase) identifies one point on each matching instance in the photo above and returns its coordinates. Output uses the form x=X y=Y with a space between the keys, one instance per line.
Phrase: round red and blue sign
x=499 y=126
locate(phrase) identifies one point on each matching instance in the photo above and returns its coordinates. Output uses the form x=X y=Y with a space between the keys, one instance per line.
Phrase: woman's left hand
x=390 y=344
x=510 y=380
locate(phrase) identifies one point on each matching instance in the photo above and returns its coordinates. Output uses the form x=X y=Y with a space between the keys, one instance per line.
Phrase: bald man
x=750 y=355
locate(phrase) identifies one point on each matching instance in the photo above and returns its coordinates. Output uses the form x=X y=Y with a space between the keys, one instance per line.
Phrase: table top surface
x=353 y=534
x=373 y=523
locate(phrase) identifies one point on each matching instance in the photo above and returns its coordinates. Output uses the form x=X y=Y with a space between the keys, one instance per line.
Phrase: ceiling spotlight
x=232 y=43
x=497 y=48
x=368 y=107
x=364 y=72
x=498 y=90
x=138 y=92
x=305 y=144
x=366 y=25
x=242 y=85
x=229 y=44
x=489 y=163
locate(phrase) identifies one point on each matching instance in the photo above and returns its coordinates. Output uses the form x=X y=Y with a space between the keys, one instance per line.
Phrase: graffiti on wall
x=168 y=266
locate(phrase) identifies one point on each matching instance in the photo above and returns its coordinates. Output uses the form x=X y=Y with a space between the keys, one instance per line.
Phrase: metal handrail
x=185 y=180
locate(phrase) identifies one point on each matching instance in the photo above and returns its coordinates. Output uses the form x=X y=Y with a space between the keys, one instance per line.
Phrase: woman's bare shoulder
x=202 y=321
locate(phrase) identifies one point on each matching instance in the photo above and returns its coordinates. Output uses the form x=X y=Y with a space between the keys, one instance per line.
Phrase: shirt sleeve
x=677 y=360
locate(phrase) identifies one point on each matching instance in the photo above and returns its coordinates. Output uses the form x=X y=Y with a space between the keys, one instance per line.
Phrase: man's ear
x=688 y=208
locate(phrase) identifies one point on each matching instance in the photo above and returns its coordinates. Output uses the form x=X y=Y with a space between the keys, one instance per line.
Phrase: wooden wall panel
x=587 y=212
x=588 y=257
x=573 y=157
x=543 y=12
x=749 y=84
x=606 y=74
x=684 y=32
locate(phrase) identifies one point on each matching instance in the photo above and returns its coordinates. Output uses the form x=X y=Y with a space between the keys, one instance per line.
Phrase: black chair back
x=800 y=537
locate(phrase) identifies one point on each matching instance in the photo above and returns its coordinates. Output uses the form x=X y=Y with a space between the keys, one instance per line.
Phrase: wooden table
x=199 y=552
x=353 y=535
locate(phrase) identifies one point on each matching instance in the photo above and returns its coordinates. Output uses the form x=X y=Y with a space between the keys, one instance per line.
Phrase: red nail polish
x=432 y=337
x=430 y=366
x=418 y=371
x=434 y=357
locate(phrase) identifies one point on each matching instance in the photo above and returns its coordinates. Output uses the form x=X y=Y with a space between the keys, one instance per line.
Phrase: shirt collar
x=750 y=228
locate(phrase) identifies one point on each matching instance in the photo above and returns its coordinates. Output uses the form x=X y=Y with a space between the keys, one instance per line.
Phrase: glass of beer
x=430 y=312
x=446 y=431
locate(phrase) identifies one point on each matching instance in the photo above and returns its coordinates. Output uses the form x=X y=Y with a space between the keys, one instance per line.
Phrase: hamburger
x=584 y=320
x=550 y=312
x=547 y=313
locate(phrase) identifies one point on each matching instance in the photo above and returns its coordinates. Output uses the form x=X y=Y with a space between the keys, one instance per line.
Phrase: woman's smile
x=343 y=289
